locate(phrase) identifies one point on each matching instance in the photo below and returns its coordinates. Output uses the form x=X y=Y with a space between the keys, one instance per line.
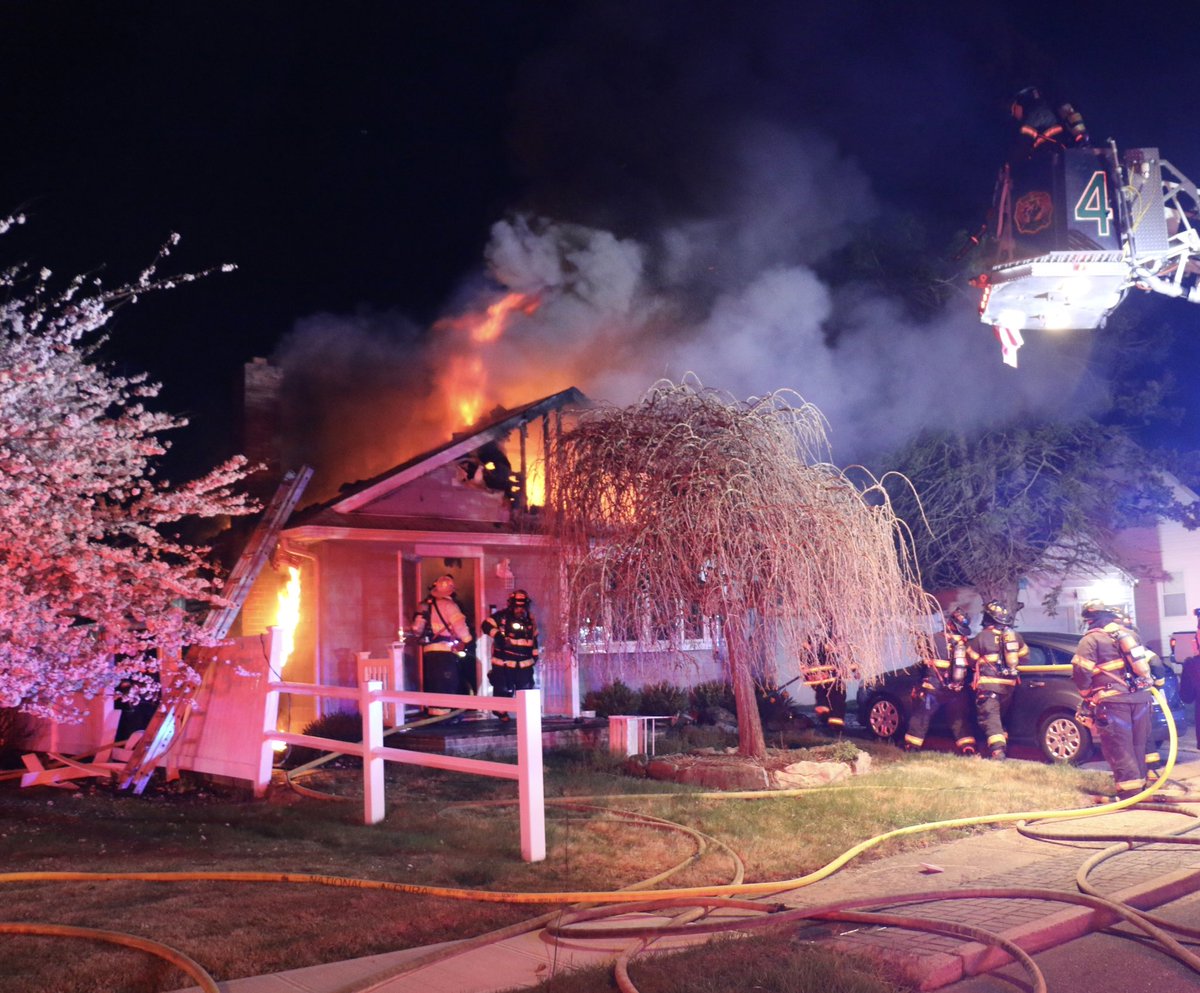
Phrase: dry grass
x=775 y=962
x=430 y=836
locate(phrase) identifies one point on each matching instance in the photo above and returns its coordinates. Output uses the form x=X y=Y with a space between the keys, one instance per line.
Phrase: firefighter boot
x=999 y=754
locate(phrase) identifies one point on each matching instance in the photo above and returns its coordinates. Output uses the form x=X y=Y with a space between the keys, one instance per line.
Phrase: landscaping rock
x=801 y=775
x=718 y=769
x=726 y=776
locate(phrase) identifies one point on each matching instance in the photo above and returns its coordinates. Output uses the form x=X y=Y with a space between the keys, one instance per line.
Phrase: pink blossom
x=92 y=581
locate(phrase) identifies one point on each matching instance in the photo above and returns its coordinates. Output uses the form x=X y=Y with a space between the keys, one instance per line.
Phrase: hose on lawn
x=639 y=896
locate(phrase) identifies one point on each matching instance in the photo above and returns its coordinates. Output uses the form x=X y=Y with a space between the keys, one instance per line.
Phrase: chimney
x=262 y=384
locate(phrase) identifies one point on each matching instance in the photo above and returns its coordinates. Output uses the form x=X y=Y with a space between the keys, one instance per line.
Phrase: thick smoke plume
x=681 y=217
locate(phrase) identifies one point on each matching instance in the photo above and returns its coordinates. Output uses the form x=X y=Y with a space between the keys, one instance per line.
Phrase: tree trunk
x=751 y=742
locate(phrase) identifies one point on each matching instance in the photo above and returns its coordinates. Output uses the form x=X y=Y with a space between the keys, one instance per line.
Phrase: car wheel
x=1064 y=739
x=884 y=718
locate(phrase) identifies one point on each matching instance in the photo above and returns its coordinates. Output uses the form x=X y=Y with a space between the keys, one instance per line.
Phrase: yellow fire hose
x=629 y=897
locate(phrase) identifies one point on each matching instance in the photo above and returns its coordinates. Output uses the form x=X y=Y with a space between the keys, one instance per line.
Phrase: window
x=1174 y=598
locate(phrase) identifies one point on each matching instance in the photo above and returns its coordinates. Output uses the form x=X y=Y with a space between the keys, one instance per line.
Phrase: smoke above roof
x=689 y=179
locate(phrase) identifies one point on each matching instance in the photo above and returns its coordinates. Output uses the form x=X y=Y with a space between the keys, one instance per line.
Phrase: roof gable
x=363 y=496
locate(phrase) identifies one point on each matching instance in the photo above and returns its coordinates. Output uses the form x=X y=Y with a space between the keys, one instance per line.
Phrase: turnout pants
x=506 y=680
x=439 y=674
x=831 y=704
x=989 y=705
x=1124 y=727
x=957 y=707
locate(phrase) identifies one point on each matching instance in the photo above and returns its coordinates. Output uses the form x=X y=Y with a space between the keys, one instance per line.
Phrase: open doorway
x=466 y=573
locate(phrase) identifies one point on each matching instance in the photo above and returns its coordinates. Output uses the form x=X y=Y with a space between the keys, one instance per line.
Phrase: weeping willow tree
x=690 y=503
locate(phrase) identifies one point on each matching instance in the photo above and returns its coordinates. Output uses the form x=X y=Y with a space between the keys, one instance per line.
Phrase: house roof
x=354 y=496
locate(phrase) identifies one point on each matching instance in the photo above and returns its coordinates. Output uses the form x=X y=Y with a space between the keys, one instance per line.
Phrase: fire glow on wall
x=287 y=616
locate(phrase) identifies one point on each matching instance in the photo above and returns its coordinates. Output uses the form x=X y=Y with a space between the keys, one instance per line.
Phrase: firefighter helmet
x=996 y=612
x=444 y=586
x=1098 y=612
x=957 y=623
x=519 y=598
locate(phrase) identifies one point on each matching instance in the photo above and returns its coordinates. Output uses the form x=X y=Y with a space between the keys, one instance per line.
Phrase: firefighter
x=514 y=637
x=1041 y=129
x=994 y=654
x=441 y=627
x=822 y=675
x=947 y=677
x=1112 y=670
x=1189 y=679
x=1189 y=690
x=1158 y=676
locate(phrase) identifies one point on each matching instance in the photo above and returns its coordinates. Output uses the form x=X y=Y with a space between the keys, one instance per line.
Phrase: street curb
x=940 y=969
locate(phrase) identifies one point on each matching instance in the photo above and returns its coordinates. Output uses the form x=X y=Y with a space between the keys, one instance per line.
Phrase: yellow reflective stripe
x=964 y=741
x=913 y=740
x=997 y=680
x=997 y=739
x=1131 y=784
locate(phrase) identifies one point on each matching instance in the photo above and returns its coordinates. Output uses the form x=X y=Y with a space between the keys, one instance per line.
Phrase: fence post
x=399 y=683
x=529 y=775
x=270 y=713
x=573 y=694
x=371 y=709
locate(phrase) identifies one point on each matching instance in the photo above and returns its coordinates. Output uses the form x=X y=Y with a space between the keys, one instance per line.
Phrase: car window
x=1045 y=655
x=1038 y=656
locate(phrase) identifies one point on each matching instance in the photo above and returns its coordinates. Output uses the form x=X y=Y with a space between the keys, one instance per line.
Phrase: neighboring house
x=1157 y=581
x=1166 y=561
x=469 y=508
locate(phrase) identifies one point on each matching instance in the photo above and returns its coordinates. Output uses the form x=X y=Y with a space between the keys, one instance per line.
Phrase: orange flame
x=287 y=615
x=496 y=317
x=499 y=314
x=465 y=380
x=466 y=384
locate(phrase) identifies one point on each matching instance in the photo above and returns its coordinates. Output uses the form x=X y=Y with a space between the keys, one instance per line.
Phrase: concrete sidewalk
x=1145 y=878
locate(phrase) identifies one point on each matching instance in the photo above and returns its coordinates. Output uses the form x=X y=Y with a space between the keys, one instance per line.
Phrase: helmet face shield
x=996 y=612
x=519 y=600
x=957 y=623
x=1098 y=612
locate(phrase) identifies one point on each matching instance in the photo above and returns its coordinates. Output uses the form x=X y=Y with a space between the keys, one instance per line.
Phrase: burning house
x=351 y=571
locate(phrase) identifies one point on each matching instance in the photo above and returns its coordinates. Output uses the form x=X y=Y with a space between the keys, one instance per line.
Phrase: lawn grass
x=436 y=832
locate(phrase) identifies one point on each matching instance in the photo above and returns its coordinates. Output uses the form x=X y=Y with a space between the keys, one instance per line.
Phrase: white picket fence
x=372 y=697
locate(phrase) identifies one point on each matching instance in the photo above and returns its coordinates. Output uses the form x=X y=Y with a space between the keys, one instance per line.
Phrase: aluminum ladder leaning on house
x=167 y=724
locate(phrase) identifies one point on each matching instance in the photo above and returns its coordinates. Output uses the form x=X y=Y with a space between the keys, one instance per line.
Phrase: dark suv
x=1041 y=712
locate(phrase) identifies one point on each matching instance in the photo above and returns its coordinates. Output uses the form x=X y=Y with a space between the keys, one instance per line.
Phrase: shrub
x=775 y=706
x=710 y=696
x=340 y=726
x=662 y=699
x=615 y=698
x=690 y=737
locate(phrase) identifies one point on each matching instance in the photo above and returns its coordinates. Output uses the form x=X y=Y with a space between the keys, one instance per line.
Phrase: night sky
x=677 y=179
